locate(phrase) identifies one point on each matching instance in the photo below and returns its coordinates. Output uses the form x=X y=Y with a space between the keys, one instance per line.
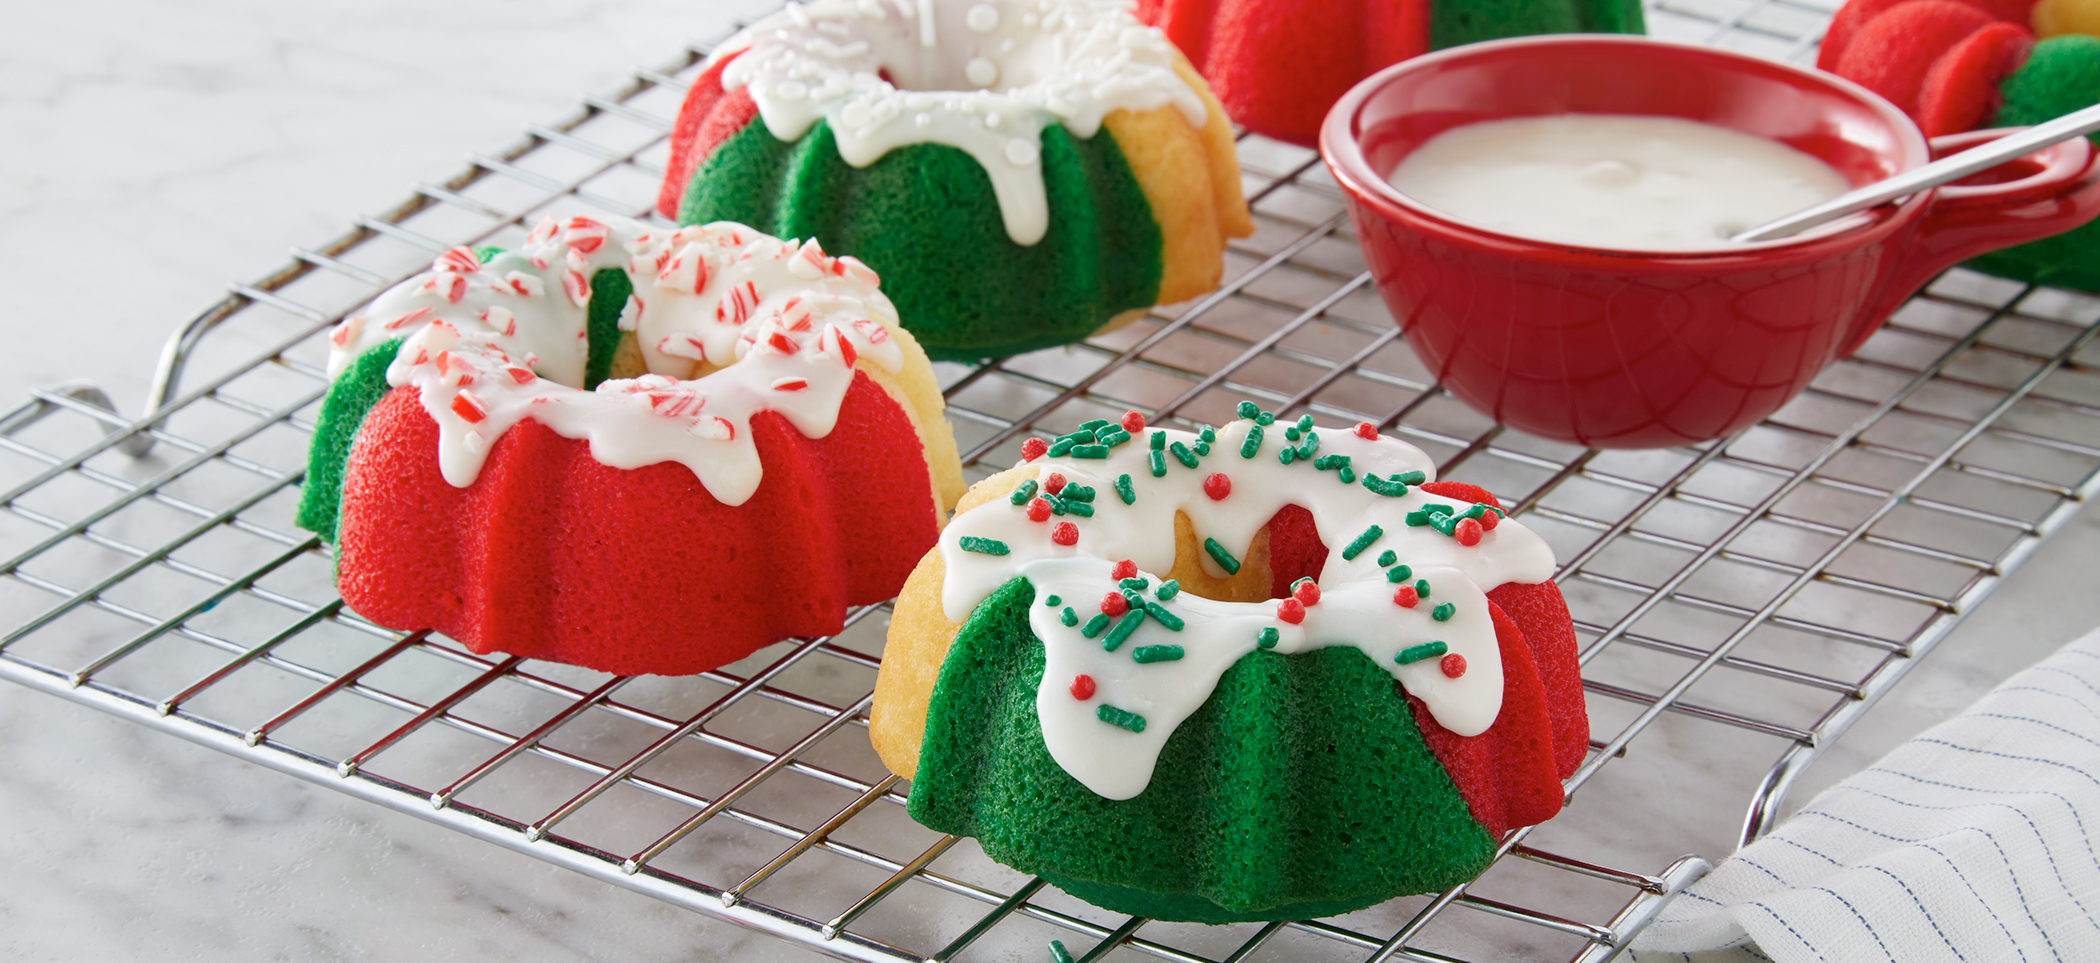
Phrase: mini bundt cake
x=1959 y=65
x=1268 y=671
x=1024 y=172
x=1278 y=65
x=635 y=452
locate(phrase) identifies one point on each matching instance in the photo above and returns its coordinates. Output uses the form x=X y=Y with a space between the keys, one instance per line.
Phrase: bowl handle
x=2049 y=192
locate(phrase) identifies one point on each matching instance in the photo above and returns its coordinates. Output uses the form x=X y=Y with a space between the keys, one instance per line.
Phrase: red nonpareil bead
x=1217 y=486
x=1489 y=519
x=1454 y=665
x=1114 y=604
x=1405 y=597
x=1306 y=591
x=1033 y=449
x=1124 y=569
x=1290 y=610
x=1038 y=510
x=1065 y=533
x=1054 y=484
x=1467 y=531
x=1082 y=687
x=1366 y=431
x=1133 y=421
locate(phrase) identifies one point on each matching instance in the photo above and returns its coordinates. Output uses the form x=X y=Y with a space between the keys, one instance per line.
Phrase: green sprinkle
x=1159 y=440
x=1287 y=455
x=1305 y=422
x=1061 y=447
x=1095 y=425
x=1203 y=448
x=1156 y=653
x=1159 y=612
x=1388 y=557
x=1444 y=612
x=1416 y=653
x=1253 y=442
x=1309 y=445
x=1475 y=512
x=1084 y=436
x=1120 y=718
x=1247 y=409
x=1437 y=509
x=1347 y=475
x=1057 y=505
x=1168 y=589
x=1411 y=478
x=1265 y=419
x=1362 y=542
x=1081 y=509
x=1421 y=588
x=982 y=546
x=1291 y=434
x=1183 y=455
x=1418 y=518
x=1328 y=462
x=1111 y=436
x=1121 y=633
x=1124 y=491
x=1390 y=489
x=1053 y=601
x=1137 y=582
x=1268 y=637
x=1094 y=625
x=1058 y=953
x=1090 y=451
x=1207 y=433
x=1399 y=574
x=1219 y=555
x=1131 y=596
x=1022 y=494
x=1068 y=616
x=1077 y=493
x=1159 y=464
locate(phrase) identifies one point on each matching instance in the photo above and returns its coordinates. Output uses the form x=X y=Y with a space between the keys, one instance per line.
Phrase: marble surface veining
x=157 y=149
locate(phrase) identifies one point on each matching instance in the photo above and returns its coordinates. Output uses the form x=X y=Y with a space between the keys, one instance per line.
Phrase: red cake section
x=1277 y=74
x=551 y=555
x=1509 y=775
x=700 y=128
x=1939 y=60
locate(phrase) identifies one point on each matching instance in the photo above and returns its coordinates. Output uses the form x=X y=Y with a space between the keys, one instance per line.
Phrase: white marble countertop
x=160 y=149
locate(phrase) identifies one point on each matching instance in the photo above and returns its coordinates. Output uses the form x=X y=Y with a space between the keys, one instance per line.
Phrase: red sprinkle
x=1054 y=484
x=1405 y=597
x=1124 y=569
x=1065 y=533
x=1114 y=604
x=1038 y=510
x=1489 y=519
x=1217 y=486
x=1133 y=421
x=1454 y=665
x=1082 y=687
x=1291 y=610
x=1366 y=431
x=1033 y=449
x=1306 y=591
x=1467 y=531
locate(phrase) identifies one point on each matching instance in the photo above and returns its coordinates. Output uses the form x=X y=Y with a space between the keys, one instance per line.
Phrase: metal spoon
x=1954 y=168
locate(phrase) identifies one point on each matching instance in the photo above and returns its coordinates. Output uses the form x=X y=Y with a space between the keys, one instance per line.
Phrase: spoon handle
x=1952 y=168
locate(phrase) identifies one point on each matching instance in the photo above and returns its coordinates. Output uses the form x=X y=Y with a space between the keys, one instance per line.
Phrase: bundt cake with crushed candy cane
x=1022 y=172
x=1264 y=671
x=635 y=451
x=1278 y=65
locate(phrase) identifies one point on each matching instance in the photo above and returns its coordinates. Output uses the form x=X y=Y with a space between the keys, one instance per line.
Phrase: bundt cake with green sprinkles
x=634 y=451
x=1258 y=672
x=1022 y=173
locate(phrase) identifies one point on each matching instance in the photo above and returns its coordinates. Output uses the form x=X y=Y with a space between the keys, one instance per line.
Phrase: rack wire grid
x=1745 y=600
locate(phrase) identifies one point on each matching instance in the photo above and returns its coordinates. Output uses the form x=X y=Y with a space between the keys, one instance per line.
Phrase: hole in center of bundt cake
x=966 y=57
x=1287 y=549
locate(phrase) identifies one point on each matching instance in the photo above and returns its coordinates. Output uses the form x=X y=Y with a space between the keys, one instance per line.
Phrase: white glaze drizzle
x=489 y=345
x=983 y=76
x=1356 y=603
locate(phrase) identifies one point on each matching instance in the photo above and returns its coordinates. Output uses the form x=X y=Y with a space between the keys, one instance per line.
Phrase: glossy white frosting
x=983 y=76
x=488 y=345
x=1356 y=603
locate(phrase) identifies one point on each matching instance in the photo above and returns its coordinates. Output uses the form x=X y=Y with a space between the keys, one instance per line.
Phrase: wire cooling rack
x=1740 y=603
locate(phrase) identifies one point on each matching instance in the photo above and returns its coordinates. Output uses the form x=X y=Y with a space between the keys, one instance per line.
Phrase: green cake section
x=1455 y=22
x=925 y=219
x=609 y=290
x=343 y=411
x=2060 y=76
x=1302 y=787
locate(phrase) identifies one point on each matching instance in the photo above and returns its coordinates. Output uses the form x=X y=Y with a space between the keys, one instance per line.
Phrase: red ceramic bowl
x=1641 y=349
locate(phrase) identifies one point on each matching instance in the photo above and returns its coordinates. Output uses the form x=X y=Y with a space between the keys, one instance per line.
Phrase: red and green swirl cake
x=1019 y=178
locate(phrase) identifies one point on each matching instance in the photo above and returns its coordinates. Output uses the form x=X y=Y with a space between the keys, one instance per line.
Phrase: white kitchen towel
x=1977 y=841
